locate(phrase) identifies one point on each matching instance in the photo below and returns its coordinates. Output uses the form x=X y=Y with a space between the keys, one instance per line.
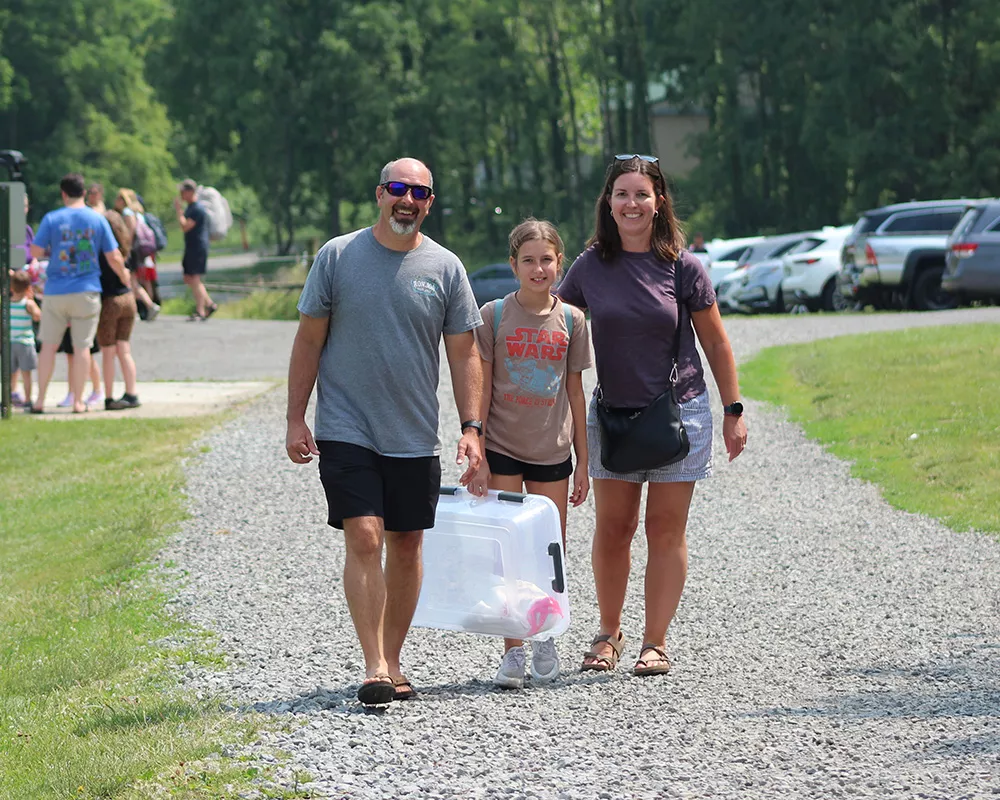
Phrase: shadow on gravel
x=965 y=687
x=345 y=700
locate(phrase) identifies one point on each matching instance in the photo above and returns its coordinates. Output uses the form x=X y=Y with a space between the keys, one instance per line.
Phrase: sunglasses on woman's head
x=630 y=156
x=399 y=189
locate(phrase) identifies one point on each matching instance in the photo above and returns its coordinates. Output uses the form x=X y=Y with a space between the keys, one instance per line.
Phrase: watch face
x=736 y=409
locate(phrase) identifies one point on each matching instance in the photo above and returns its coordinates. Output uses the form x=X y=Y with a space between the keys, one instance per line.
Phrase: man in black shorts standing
x=194 y=222
x=374 y=308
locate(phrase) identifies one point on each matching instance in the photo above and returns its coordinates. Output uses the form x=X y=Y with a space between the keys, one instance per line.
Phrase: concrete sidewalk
x=189 y=368
x=162 y=399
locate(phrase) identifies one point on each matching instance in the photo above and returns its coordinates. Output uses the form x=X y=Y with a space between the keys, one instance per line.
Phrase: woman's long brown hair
x=667 y=238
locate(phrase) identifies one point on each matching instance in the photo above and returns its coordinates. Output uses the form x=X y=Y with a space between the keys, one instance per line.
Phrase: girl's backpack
x=159 y=232
x=145 y=240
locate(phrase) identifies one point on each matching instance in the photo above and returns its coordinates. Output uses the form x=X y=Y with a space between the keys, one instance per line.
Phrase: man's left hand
x=469 y=447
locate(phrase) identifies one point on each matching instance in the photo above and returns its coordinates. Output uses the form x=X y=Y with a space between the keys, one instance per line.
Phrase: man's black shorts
x=194 y=263
x=541 y=473
x=361 y=483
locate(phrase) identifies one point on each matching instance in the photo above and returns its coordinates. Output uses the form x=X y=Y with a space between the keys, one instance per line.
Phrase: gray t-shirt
x=378 y=373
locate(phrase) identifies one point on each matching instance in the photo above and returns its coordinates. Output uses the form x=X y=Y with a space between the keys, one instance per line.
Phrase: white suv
x=811 y=274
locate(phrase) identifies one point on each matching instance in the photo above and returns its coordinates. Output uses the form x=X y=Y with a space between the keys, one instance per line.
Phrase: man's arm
x=183 y=220
x=117 y=264
x=302 y=370
x=37 y=252
x=467 y=382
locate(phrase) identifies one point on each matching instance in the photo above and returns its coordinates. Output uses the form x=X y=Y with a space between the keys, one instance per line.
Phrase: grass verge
x=89 y=702
x=914 y=411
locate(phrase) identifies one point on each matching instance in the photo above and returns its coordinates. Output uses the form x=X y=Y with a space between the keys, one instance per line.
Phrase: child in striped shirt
x=23 y=312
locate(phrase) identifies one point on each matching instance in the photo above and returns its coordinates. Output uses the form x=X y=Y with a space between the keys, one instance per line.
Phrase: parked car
x=724 y=255
x=493 y=282
x=772 y=247
x=972 y=261
x=894 y=256
x=809 y=274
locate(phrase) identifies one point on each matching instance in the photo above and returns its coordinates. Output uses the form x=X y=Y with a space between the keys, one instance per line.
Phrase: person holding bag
x=650 y=421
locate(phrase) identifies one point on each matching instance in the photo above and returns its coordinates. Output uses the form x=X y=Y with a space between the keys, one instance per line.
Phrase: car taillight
x=964 y=250
x=870 y=258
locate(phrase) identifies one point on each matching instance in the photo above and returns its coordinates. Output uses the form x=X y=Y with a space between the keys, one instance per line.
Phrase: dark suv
x=972 y=270
x=894 y=257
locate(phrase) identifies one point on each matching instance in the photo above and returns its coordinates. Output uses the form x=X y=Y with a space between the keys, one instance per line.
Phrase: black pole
x=5 y=354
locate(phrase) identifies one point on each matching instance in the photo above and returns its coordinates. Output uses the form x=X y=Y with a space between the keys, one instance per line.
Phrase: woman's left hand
x=734 y=431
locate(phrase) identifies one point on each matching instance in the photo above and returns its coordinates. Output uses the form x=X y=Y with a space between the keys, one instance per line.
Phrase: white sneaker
x=66 y=402
x=511 y=672
x=153 y=313
x=544 y=660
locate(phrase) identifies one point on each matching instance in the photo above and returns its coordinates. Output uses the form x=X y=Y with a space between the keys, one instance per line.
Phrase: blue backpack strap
x=497 y=313
x=569 y=320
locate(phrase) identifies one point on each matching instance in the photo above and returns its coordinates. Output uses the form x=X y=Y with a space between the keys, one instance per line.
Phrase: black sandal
x=378 y=691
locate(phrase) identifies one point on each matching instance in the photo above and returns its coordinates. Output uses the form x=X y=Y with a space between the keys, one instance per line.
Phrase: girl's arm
x=480 y=484
x=578 y=410
x=714 y=341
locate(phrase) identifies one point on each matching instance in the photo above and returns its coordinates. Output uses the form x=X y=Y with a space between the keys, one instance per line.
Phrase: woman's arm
x=715 y=342
x=578 y=410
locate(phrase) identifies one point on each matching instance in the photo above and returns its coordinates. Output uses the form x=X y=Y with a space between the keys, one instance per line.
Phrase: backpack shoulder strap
x=497 y=313
x=569 y=320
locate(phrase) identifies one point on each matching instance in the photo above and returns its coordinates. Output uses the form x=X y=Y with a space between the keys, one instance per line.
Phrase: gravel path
x=827 y=645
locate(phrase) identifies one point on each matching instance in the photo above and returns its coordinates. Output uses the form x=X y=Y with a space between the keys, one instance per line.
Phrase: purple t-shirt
x=633 y=322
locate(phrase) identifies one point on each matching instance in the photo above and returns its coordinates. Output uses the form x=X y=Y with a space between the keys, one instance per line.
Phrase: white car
x=724 y=255
x=810 y=275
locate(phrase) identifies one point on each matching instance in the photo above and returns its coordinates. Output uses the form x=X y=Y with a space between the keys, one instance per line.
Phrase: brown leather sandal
x=404 y=689
x=603 y=663
x=660 y=665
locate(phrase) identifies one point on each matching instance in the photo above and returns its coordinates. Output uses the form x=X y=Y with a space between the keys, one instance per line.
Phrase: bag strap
x=497 y=313
x=677 y=333
x=569 y=319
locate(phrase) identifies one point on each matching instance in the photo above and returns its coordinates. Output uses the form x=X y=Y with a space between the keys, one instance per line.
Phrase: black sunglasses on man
x=399 y=189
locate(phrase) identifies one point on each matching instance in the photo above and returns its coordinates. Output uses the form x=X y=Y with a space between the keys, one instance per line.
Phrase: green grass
x=260 y=304
x=89 y=702
x=915 y=412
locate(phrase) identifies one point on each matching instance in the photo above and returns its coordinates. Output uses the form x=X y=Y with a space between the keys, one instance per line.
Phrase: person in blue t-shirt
x=72 y=239
x=194 y=222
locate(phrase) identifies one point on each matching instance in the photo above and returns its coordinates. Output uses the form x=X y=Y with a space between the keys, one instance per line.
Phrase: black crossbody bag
x=637 y=440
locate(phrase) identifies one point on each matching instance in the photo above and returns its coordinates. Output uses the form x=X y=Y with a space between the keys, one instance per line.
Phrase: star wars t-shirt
x=530 y=417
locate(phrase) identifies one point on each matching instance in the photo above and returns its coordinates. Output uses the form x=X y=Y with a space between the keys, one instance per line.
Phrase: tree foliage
x=73 y=96
x=814 y=110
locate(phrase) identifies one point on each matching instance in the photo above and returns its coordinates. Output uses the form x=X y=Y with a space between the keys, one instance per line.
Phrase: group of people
x=85 y=268
x=372 y=314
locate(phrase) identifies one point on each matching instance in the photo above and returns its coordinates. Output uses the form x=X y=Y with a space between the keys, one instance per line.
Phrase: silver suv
x=894 y=257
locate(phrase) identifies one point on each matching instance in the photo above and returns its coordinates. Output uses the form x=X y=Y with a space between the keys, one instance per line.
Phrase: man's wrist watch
x=473 y=423
x=733 y=409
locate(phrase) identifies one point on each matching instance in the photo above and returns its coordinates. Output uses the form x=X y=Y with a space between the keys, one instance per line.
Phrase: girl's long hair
x=131 y=201
x=667 y=239
x=120 y=230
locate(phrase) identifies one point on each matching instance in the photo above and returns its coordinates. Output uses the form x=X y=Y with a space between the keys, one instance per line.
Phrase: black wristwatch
x=734 y=409
x=473 y=423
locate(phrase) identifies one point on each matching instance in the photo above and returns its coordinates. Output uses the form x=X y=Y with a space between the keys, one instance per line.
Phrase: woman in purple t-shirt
x=625 y=278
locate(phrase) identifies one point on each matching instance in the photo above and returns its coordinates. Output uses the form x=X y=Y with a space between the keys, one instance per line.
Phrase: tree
x=73 y=96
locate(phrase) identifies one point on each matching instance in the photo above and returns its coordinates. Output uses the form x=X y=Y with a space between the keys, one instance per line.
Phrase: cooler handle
x=449 y=490
x=511 y=497
x=559 y=582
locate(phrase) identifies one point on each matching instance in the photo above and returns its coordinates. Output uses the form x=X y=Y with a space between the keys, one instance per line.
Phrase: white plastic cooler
x=494 y=565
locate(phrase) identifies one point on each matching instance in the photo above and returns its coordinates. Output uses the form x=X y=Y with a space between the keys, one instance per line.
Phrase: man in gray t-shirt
x=372 y=313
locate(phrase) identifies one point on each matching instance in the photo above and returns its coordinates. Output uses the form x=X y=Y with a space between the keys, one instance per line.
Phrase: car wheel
x=779 y=302
x=928 y=294
x=833 y=299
